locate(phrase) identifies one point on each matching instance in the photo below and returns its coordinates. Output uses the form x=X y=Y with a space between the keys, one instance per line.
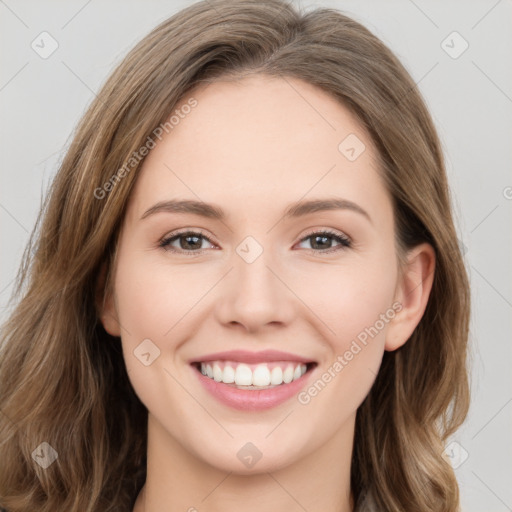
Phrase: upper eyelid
x=329 y=231
x=192 y=231
x=199 y=231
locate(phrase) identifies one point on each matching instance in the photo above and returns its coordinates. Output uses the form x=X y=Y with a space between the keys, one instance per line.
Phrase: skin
x=254 y=146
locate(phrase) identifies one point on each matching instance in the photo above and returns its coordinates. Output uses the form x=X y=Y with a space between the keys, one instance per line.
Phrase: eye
x=189 y=242
x=321 y=241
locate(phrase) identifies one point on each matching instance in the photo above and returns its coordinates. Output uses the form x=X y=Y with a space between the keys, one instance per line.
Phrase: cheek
x=156 y=304
x=152 y=303
x=153 y=296
x=349 y=298
x=357 y=306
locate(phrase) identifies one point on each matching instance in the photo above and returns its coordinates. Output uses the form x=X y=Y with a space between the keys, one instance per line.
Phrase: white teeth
x=217 y=372
x=276 y=377
x=261 y=375
x=229 y=375
x=288 y=374
x=243 y=375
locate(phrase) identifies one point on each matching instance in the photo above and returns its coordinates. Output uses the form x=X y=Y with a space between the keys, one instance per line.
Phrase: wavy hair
x=62 y=376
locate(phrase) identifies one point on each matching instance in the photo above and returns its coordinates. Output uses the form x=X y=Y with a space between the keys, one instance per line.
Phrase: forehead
x=253 y=139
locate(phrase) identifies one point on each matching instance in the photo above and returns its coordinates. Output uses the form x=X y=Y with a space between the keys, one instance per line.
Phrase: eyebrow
x=295 y=210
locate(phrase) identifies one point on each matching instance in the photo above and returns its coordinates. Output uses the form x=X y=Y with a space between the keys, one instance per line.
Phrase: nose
x=255 y=295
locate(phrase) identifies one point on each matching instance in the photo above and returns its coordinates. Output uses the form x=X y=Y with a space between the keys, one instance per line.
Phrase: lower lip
x=252 y=399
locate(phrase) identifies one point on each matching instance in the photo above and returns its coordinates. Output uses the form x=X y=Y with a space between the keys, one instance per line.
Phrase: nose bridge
x=256 y=296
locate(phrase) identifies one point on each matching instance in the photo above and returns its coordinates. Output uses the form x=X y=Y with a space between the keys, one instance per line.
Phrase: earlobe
x=109 y=321
x=412 y=292
x=105 y=305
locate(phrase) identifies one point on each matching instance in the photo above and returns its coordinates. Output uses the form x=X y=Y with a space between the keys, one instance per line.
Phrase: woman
x=184 y=339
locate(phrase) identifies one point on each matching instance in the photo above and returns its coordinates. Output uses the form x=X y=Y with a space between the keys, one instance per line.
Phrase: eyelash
x=344 y=242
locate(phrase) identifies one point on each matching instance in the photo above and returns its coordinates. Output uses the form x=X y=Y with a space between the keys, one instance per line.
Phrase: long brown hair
x=62 y=377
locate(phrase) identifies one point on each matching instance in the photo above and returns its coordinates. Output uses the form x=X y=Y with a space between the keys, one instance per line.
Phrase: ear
x=105 y=304
x=412 y=292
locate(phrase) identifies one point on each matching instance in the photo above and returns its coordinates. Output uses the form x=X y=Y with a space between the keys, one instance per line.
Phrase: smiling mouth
x=253 y=376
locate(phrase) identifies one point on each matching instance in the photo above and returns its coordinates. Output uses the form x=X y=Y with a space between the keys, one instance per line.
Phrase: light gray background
x=470 y=98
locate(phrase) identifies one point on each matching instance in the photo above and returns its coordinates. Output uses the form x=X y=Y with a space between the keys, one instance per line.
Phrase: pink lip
x=252 y=399
x=243 y=356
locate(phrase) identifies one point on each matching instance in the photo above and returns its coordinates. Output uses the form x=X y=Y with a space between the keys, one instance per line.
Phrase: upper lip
x=243 y=356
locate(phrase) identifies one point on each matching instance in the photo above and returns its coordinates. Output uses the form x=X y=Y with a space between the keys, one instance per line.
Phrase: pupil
x=188 y=237
x=324 y=238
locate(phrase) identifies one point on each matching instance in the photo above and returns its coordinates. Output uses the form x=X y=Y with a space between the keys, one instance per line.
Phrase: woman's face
x=261 y=280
